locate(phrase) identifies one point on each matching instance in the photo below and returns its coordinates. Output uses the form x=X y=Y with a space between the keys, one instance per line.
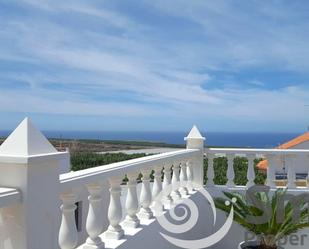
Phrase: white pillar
x=65 y=165
x=68 y=232
x=167 y=199
x=196 y=141
x=145 y=198
x=183 y=179
x=114 y=230
x=190 y=177
x=307 y=157
x=291 y=171
x=230 y=171
x=94 y=223
x=31 y=164
x=175 y=183
x=271 y=174
x=131 y=205
x=156 y=190
x=210 y=170
x=250 y=171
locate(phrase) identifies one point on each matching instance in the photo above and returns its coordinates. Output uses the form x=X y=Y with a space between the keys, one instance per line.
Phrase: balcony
x=94 y=208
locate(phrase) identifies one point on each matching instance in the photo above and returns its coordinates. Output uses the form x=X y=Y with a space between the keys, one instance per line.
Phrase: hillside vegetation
x=85 y=160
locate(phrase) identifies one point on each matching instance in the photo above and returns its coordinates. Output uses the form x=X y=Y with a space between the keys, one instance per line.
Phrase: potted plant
x=270 y=232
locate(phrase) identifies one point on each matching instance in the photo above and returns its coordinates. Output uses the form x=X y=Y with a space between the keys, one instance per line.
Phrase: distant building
x=301 y=163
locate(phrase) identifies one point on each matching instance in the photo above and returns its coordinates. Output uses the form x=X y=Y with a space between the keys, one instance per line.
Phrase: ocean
x=229 y=139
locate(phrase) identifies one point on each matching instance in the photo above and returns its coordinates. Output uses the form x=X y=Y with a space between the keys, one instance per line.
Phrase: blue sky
x=155 y=65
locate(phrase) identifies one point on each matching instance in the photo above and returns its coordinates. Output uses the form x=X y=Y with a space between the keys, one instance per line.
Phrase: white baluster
x=307 y=157
x=210 y=170
x=94 y=223
x=68 y=232
x=167 y=199
x=131 y=205
x=291 y=171
x=145 y=198
x=190 y=177
x=175 y=183
x=271 y=174
x=307 y=181
x=183 y=180
x=156 y=190
x=230 y=171
x=114 y=230
x=250 y=171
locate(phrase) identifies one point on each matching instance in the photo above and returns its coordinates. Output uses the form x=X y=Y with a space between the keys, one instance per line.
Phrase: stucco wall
x=301 y=162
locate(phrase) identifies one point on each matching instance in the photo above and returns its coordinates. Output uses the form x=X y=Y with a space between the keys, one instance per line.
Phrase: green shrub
x=85 y=160
x=240 y=169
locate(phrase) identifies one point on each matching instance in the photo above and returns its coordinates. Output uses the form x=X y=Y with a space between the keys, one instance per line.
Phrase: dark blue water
x=257 y=140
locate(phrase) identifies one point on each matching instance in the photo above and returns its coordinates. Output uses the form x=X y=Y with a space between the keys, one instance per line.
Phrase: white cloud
x=12 y=101
x=242 y=35
x=138 y=64
x=256 y=83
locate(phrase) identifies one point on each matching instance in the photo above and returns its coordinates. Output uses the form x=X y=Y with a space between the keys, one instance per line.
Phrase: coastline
x=115 y=141
x=112 y=146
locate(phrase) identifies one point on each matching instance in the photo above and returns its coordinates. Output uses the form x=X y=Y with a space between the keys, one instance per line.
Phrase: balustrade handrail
x=255 y=151
x=72 y=179
x=9 y=196
x=286 y=156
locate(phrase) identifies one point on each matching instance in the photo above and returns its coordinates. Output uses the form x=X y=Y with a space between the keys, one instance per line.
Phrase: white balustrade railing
x=134 y=208
x=146 y=198
x=273 y=156
x=250 y=171
x=210 y=171
x=183 y=179
x=68 y=237
x=291 y=171
x=175 y=182
x=190 y=177
x=167 y=180
x=156 y=190
x=82 y=177
x=86 y=209
x=230 y=170
x=94 y=225
x=114 y=231
x=131 y=204
x=271 y=172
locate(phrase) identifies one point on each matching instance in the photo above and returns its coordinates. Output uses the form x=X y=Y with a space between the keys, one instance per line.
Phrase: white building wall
x=301 y=162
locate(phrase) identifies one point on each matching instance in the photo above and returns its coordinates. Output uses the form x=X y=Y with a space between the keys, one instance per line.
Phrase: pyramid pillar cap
x=194 y=134
x=26 y=142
